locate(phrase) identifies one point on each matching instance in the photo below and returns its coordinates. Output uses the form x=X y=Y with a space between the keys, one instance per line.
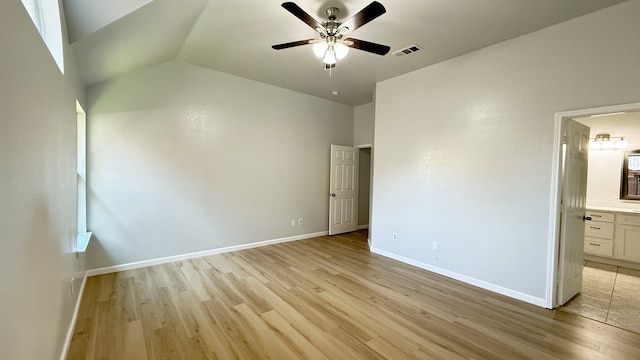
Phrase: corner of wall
x=363 y=124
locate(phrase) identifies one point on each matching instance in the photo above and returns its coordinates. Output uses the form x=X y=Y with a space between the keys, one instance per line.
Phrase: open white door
x=343 y=190
x=572 y=209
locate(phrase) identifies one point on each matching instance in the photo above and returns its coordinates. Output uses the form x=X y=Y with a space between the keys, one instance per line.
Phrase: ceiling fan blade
x=291 y=44
x=302 y=15
x=368 y=46
x=365 y=15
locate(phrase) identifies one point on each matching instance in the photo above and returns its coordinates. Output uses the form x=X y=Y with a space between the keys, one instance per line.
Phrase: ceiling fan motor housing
x=331 y=26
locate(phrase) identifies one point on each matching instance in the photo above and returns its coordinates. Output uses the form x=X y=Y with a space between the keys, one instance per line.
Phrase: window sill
x=83 y=241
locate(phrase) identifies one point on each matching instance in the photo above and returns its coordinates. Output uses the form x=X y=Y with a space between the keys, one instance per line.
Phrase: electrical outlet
x=300 y=221
x=435 y=246
x=395 y=236
x=293 y=222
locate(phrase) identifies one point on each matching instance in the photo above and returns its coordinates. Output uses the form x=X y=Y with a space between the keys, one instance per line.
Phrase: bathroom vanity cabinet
x=613 y=234
x=598 y=233
x=628 y=237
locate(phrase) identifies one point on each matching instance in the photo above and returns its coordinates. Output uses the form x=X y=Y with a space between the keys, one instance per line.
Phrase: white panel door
x=572 y=211
x=343 y=190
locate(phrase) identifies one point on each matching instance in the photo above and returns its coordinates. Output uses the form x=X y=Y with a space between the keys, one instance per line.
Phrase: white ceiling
x=112 y=37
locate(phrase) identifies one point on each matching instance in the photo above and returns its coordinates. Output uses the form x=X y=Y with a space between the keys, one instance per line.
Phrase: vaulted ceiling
x=110 y=38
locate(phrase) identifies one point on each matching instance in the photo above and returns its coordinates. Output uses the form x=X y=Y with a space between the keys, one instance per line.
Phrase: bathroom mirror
x=630 y=180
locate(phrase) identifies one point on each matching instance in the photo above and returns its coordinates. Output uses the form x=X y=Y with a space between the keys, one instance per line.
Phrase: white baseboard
x=360 y=227
x=168 y=259
x=74 y=319
x=466 y=279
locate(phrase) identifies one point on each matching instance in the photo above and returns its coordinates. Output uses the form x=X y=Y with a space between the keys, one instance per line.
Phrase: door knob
x=333 y=194
x=586 y=218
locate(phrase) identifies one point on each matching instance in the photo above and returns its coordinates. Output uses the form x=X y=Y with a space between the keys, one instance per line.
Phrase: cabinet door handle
x=594 y=244
x=595 y=228
x=596 y=215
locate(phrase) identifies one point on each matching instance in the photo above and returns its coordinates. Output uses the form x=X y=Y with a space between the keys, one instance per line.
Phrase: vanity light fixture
x=607 y=142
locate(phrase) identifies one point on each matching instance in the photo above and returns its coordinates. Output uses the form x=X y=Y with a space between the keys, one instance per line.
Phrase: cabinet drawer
x=629 y=219
x=600 y=247
x=598 y=229
x=600 y=216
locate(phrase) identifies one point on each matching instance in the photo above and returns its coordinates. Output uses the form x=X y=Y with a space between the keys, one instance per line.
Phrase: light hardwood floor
x=322 y=298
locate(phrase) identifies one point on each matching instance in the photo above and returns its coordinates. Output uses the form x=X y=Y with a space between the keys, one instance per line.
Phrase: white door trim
x=370 y=195
x=554 y=211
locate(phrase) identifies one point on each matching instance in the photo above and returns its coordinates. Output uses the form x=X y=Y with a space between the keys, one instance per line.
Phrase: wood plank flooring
x=322 y=298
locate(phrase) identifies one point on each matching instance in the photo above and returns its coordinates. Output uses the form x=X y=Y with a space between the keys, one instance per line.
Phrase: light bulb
x=607 y=144
x=621 y=144
x=330 y=56
x=341 y=50
x=320 y=48
x=595 y=145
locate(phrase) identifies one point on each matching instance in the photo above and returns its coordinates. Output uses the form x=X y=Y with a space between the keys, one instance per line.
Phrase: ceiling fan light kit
x=320 y=48
x=331 y=46
x=330 y=50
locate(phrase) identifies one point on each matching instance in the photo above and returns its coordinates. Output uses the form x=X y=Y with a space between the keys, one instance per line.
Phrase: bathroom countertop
x=613 y=209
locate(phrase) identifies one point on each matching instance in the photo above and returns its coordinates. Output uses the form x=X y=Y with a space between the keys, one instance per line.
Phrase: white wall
x=37 y=191
x=363 y=128
x=605 y=166
x=184 y=159
x=363 y=124
x=463 y=149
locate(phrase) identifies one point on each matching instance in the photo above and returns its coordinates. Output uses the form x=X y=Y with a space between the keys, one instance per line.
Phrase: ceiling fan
x=331 y=46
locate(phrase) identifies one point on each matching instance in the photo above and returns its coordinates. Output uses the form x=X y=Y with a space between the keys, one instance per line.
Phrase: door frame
x=370 y=180
x=553 y=260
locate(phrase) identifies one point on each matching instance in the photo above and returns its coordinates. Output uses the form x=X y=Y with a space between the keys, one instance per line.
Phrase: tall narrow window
x=82 y=169
x=35 y=11
x=46 y=17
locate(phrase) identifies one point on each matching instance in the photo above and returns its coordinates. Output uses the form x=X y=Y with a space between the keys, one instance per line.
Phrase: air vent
x=408 y=50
